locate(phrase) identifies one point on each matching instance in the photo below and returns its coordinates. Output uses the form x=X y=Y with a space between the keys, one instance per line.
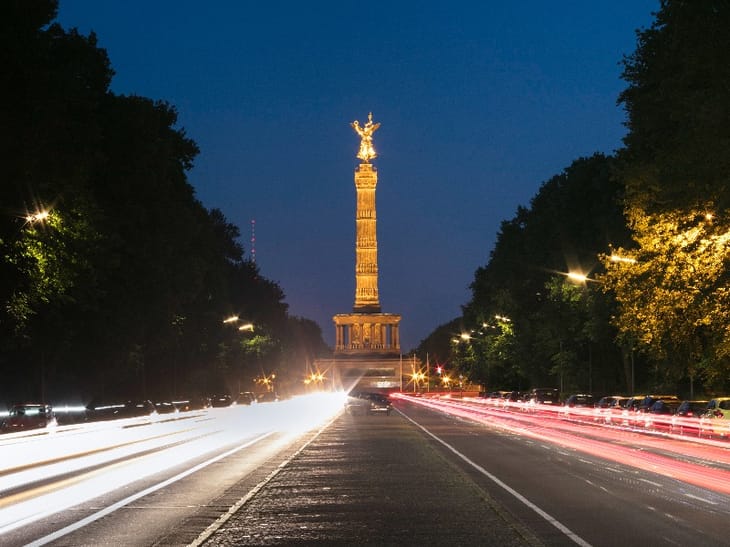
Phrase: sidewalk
x=369 y=480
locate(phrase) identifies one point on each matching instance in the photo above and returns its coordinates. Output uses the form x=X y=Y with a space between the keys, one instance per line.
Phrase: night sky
x=479 y=104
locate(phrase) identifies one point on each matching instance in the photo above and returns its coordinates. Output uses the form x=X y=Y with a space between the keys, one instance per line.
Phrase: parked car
x=579 y=400
x=28 y=416
x=578 y=405
x=715 y=422
x=608 y=409
x=494 y=397
x=142 y=407
x=630 y=409
x=659 y=415
x=649 y=401
x=104 y=409
x=193 y=403
x=540 y=396
x=510 y=400
x=368 y=403
x=686 y=421
x=219 y=401
x=112 y=409
x=544 y=395
x=165 y=407
x=267 y=397
x=245 y=398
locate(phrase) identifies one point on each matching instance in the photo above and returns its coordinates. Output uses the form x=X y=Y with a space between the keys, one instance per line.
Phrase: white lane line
x=552 y=520
x=134 y=497
x=213 y=528
x=692 y=496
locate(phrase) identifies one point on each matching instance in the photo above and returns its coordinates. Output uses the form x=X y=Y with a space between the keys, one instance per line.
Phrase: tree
x=676 y=170
x=437 y=345
x=672 y=294
x=122 y=287
x=486 y=355
x=574 y=217
x=52 y=85
x=678 y=104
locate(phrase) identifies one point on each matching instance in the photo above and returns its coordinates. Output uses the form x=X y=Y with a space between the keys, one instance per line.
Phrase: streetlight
x=582 y=279
x=624 y=259
x=37 y=216
x=577 y=276
x=231 y=319
x=315 y=378
x=235 y=319
x=417 y=378
x=446 y=379
x=266 y=381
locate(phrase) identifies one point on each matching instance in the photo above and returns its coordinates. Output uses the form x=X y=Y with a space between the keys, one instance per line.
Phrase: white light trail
x=45 y=473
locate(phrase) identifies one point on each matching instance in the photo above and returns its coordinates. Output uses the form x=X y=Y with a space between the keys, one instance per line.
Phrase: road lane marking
x=134 y=497
x=549 y=518
x=692 y=496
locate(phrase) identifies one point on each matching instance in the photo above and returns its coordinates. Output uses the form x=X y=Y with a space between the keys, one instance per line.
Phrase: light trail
x=609 y=444
x=129 y=499
x=48 y=473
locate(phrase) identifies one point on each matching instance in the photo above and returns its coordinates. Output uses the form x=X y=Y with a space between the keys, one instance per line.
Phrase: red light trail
x=700 y=462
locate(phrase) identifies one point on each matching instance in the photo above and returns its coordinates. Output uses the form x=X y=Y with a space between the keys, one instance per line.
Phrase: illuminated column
x=366 y=241
x=339 y=337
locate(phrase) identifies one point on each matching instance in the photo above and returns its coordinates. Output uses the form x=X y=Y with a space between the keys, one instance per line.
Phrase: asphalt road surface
x=416 y=477
x=421 y=477
x=371 y=480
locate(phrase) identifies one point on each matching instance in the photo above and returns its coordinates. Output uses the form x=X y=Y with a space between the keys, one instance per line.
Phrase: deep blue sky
x=480 y=103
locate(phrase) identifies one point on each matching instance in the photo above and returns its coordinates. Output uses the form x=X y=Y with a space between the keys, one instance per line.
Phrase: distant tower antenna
x=253 y=240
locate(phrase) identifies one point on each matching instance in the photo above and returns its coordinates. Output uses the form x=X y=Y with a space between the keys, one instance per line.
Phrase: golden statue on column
x=367 y=354
x=367 y=151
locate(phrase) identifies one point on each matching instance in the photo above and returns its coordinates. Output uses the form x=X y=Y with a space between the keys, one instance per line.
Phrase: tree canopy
x=116 y=279
x=557 y=331
x=651 y=226
x=671 y=281
x=677 y=105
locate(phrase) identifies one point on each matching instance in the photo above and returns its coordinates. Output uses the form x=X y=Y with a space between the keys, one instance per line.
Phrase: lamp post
x=230 y=320
x=417 y=378
x=40 y=216
x=583 y=279
x=621 y=259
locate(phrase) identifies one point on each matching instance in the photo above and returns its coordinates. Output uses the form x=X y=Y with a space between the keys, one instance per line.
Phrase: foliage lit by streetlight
x=672 y=294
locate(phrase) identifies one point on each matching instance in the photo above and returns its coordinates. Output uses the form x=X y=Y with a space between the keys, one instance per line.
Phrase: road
x=431 y=473
x=578 y=484
x=131 y=482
